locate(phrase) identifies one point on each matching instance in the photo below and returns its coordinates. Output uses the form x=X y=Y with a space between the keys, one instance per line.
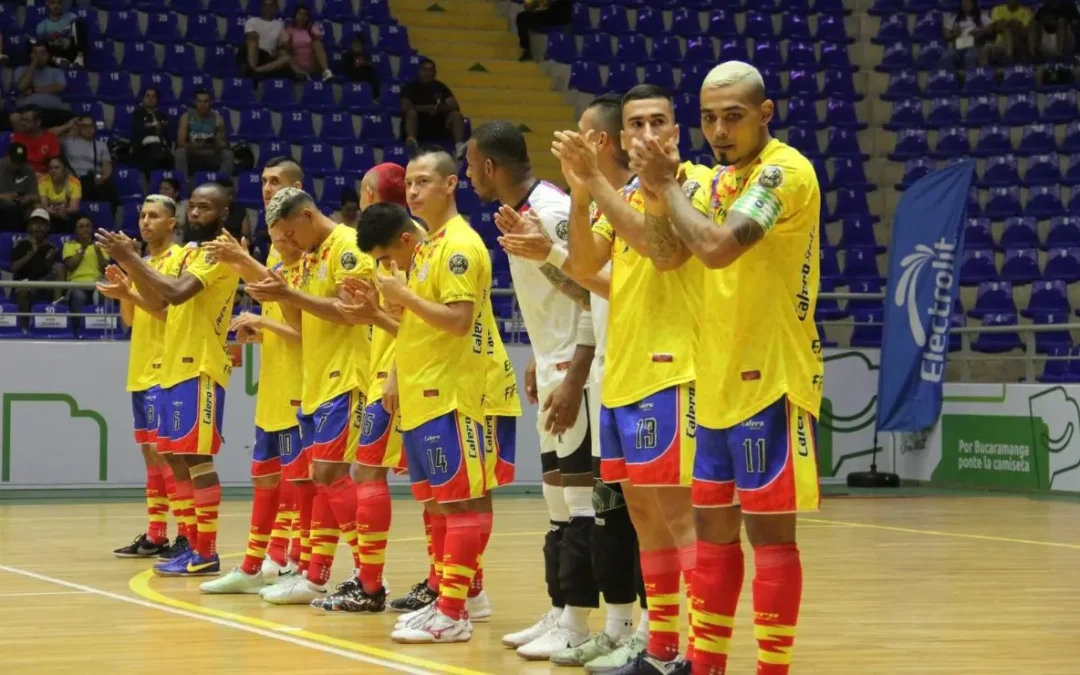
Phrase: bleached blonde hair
x=283 y=201
x=167 y=202
x=734 y=72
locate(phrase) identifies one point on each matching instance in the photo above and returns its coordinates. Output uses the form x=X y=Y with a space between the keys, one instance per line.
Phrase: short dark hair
x=349 y=196
x=290 y=166
x=175 y=185
x=424 y=61
x=644 y=92
x=380 y=224
x=444 y=161
x=607 y=114
x=504 y=144
x=201 y=91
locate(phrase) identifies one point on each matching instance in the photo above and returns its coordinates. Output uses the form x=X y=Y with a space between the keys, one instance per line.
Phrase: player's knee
x=325 y=473
x=369 y=474
x=770 y=529
x=576 y=462
x=718 y=525
x=266 y=482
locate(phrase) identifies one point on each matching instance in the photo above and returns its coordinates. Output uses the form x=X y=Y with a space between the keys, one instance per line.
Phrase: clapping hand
x=392 y=284
x=523 y=235
x=226 y=249
x=271 y=289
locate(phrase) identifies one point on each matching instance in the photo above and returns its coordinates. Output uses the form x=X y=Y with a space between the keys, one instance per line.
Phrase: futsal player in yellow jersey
x=647 y=425
x=336 y=368
x=195 y=366
x=157 y=220
x=760 y=361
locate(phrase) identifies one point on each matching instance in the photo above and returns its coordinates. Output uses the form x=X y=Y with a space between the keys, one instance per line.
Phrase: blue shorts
x=274 y=450
x=380 y=439
x=331 y=433
x=144 y=408
x=652 y=442
x=446 y=459
x=190 y=415
x=500 y=449
x=769 y=462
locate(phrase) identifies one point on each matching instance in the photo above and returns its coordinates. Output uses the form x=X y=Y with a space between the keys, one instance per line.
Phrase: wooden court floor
x=922 y=585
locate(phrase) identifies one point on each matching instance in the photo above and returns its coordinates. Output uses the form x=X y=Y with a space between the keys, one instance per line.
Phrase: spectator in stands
x=3 y=56
x=63 y=34
x=349 y=213
x=1053 y=32
x=1010 y=23
x=84 y=261
x=40 y=143
x=201 y=144
x=170 y=187
x=969 y=33
x=262 y=55
x=40 y=84
x=61 y=193
x=18 y=189
x=302 y=40
x=541 y=14
x=150 y=134
x=357 y=67
x=431 y=112
x=90 y=160
x=34 y=259
x=237 y=223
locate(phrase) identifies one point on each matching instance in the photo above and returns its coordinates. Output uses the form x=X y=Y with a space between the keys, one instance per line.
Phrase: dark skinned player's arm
x=155 y=285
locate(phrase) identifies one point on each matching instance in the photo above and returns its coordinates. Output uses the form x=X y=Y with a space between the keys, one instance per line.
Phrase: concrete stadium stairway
x=477 y=57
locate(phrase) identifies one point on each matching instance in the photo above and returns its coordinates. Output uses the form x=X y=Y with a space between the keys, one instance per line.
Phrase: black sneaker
x=180 y=547
x=141 y=547
x=643 y=664
x=353 y=599
x=419 y=597
x=347 y=587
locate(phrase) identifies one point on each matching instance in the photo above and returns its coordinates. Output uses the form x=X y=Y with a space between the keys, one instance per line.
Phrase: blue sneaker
x=175 y=567
x=191 y=565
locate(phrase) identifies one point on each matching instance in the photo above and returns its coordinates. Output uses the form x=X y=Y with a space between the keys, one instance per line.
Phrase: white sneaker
x=415 y=618
x=299 y=592
x=327 y=75
x=524 y=637
x=479 y=607
x=286 y=580
x=555 y=640
x=438 y=628
x=235 y=582
x=271 y=571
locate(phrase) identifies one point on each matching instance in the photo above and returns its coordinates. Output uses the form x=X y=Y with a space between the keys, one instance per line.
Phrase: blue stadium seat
x=1019 y=233
x=839 y=83
x=793 y=26
x=835 y=56
x=1002 y=202
x=897 y=56
x=318 y=158
x=1064 y=232
x=202 y=29
x=163 y=83
x=1021 y=266
x=1037 y=139
x=692 y=75
x=701 y=49
x=805 y=141
x=376 y=129
x=99 y=55
x=128 y=183
x=101 y=213
x=337 y=128
x=930 y=55
x=1043 y=170
x=297 y=126
x=580 y=19
x=159 y=175
x=180 y=59
x=1020 y=109
x=1063 y=264
x=982 y=111
x=204 y=177
x=121 y=125
x=857 y=233
x=892 y=29
x=830 y=28
x=115 y=87
x=867 y=331
x=123 y=26
x=844 y=143
x=1055 y=341
x=1000 y=170
x=1072 y=171
x=802 y=113
x=943 y=112
x=356 y=160
x=685 y=22
x=51 y=322
x=928 y=28
x=1056 y=370
x=631 y=49
x=734 y=49
x=851 y=204
x=997 y=343
x=1044 y=201
x=978 y=235
x=335 y=187
x=951 y=142
x=585 y=76
x=104 y=324
x=722 y=24
x=596 y=47
x=802 y=83
x=1060 y=107
x=234 y=29
x=249 y=188
x=318 y=96
x=914 y=169
x=940 y=82
x=861 y=263
x=759 y=26
x=77 y=88
x=886 y=7
x=139 y=57
x=841 y=113
x=1047 y=296
x=162 y=27
x=394 y=39
x=659 y=74
x=1017 y=79
x=668 y=49
x=277 y=94
x=129 y=219
x=396 y=153
x=255 y=125
x=650 y=22
x=799 y=55
x=390 y=99
x=906 y=114
x=615 y=20
x=910 y=144
x=976 y=267
x=9 y=323
x=467 y=200
x=376 y=11
x=622 y=76
x=830 y=266
x=972 y=206
x=337 y=10
x=828 y=309
x=993 y=297
x=561 y=47
x=979 y=81
x=993 y=140
x=355 y=96
x=221 y=61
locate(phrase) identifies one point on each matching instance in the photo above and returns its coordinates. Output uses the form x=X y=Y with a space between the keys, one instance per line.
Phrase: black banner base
x=872 y=479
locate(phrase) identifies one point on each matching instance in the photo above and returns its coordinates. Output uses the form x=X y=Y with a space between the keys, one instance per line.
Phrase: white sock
x=619 y=622
x=575 y=619
x=643 y=625
x=556 y=504
x=579 y=501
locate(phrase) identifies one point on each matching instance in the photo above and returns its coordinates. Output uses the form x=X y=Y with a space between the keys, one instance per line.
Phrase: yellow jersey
x=439 y=372
x=195 y=331
x=280 y=363
x=148 y=332
x=500 y=385
x=763 y=342
x=654 y=317
x=90 y=267
x=336 y=356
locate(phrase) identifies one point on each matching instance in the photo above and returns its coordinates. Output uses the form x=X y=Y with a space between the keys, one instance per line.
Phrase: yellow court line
x=140 y=585
x=940 y=533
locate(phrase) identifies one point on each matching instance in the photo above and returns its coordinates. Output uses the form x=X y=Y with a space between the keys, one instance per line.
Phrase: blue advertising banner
x=927 y=237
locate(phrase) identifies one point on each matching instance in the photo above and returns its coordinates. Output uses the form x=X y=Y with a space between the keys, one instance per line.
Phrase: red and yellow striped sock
x=438 y=548
x=660 y=571
x=281 y=532
x=263 y=509
x=157 y=506
x=777 y=596
x=341 y=498
x=459 y=562
x=430 y=545
x=324 y=538
x=207 y=502
x=687 y=565
x=185 y=512
x=373 y=518
x=717 y=584
x=487 y=521
x=306 y=500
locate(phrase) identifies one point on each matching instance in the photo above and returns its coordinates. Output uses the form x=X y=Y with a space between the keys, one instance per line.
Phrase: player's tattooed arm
x=565 y=285
x=715 y=246
x=666 y=250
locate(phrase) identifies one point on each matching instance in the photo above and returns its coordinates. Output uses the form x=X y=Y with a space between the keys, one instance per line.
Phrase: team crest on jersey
x=562 y=229
x=458 y=264
x=348 y=260
x=771 y=177
x=690 y=188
